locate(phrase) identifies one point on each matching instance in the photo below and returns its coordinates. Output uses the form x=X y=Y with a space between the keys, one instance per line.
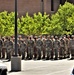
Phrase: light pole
x=16 y=60
x=15 y=27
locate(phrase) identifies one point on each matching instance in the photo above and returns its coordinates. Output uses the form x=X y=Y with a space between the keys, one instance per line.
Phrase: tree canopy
x=60 y=23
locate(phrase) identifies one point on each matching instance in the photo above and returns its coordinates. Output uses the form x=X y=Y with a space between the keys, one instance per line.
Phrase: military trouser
x=0 y=51
x=61 y=52
x=9 y=53
x=68 y=52
x=48 y=53
x=72 y=53
x=30 y=52
x=38 y=52
x=19 y=52
x=23 y=54
x=56 y=53
x=43 y=52
x=52 y=54
x=3 y=52
x=35 y=52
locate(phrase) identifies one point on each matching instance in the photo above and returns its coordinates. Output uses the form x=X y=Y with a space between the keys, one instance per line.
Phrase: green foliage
x=62 y=22
x=6 y=23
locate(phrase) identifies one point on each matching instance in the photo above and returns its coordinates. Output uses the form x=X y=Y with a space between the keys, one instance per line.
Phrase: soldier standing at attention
x=30 y=46
x=23 y=48
x=39 y=44
x=67 y=46
x=3 y=48
x=71 y=46
x=1 y=43
x=35 y=50
x=19 y=42
x=52 y=52
x=48 y=47
x=43 y=48
x=6 y=44
x=10 y=49
x=56 y=47
x=62 y=48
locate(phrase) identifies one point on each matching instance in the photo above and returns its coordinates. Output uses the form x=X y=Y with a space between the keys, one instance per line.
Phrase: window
x=42 y=7
x=52 y=5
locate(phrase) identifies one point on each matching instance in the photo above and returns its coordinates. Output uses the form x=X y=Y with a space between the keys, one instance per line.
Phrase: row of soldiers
x=46 y=47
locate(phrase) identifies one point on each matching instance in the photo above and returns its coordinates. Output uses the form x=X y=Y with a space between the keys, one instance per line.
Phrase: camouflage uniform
x=1 y=43
x=52 y=52
x=71 y=46
x=43 y=48
x=48 y=47
x=6 y=44
x=35 y=50
x=62 y=48
x=30 y=46
x=10 y=49
x=23 y=48
x=19 y=42
x=3 y=48
x=39 y=45
x=67 y=47
x=56 y=47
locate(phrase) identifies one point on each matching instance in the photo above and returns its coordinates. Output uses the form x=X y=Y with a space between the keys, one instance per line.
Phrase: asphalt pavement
x=42 y=67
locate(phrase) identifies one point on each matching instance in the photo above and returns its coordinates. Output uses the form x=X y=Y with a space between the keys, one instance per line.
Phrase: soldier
x=67 y=46
x=19 y=42
x=30 y=47
x=48 y=47
x=52 y=52
x=35 y=50
x=6 y=44
x=1 y=43
x=18 y=46
x=56 y=47
x=10 y=48
x=62 y=48
x=39 y=44
x=3 y=48
x=23 y=48
x=43 y=48
x=71 y=46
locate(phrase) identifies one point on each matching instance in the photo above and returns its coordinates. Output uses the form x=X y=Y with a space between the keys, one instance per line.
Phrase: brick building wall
x=30 y=6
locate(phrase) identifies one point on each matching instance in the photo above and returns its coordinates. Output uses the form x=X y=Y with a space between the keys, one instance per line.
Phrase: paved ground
x=40 y=67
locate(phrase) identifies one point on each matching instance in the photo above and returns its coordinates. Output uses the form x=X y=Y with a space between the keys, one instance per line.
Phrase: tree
x=62 y=21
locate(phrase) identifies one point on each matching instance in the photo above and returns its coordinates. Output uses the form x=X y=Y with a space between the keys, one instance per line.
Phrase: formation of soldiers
x=38 y=47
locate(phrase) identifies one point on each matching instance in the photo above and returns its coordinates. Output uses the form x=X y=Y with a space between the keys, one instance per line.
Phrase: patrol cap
x=56 y=37
x=48 y=36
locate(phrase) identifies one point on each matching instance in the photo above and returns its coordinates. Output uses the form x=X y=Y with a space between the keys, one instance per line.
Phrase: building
x=32 y=6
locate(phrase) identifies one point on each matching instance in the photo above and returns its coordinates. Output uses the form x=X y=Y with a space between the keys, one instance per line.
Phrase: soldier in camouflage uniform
x=39 y=44
x=10 y=48
x=62 y=48
x=19 y=42
x=35 y=50
x=23 y=48
x=43 y=48
x=1 y=43
x=67 y=46
x=6 y=44
x=56 y=47
x=52 y=52
x=3 y=48
x=71 y=46
x=48 y=47
x=30 y=47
